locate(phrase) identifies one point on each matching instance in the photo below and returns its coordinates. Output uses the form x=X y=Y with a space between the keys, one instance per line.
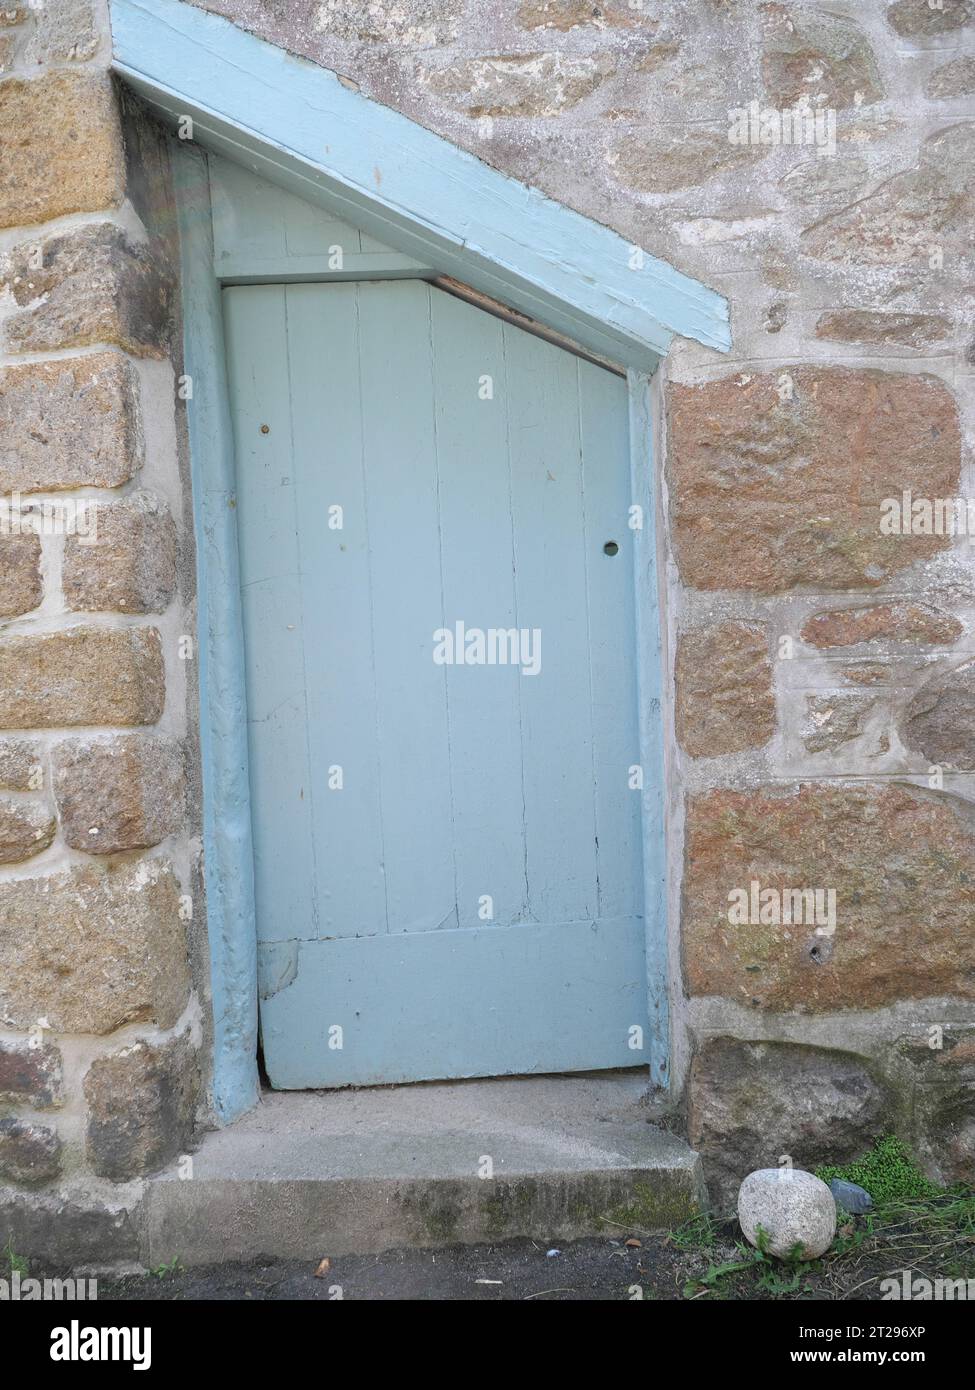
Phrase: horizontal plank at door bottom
x=410 y=1005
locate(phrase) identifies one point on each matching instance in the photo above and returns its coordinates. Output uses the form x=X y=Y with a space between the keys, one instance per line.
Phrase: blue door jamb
x=227 y=851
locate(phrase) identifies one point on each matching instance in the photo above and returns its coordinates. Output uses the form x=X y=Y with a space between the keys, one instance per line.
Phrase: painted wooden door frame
x=266 y=109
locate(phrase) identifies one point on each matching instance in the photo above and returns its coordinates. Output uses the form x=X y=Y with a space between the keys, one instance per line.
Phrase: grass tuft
x=887 y=1172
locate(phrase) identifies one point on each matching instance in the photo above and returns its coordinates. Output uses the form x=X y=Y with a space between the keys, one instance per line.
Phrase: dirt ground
x=705 y=1261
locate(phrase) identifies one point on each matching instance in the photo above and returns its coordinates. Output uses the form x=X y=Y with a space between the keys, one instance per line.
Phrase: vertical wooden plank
x=248 y=213
x=371 y=246
x=272 y=612
x=399 y=452
x=550 y=570
x=310 y=231
x=478 y=579
x=254 y=218
x=337 y=605
x=603 y=407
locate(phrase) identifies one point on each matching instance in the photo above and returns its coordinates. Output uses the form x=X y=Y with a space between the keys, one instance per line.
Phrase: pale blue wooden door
x=448 y=857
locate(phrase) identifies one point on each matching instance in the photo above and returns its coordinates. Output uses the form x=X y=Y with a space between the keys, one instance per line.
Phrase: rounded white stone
x=794 y=1209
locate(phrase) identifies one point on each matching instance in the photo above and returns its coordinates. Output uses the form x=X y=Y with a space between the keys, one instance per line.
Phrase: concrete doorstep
x=308 y=1174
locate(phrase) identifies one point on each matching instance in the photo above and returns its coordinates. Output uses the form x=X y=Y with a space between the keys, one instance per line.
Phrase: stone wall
x=100 y=1027
x=824 y=683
